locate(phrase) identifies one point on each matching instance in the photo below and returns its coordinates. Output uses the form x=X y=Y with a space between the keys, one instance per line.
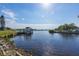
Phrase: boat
x=28 y=30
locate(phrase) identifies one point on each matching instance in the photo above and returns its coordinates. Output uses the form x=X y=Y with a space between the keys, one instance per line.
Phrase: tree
x=72 y=26
x=2 y=22
x=68 y=27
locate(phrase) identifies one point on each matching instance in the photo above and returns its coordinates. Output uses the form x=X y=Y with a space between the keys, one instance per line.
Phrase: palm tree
x=2 y=22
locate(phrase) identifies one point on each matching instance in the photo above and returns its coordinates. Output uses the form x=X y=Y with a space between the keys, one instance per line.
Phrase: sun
x=45 y=5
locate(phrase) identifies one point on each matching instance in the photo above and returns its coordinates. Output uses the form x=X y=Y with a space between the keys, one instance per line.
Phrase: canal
x=42 y=43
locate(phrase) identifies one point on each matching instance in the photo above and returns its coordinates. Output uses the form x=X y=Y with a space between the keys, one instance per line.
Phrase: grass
x=6 y=33
x=6 y=40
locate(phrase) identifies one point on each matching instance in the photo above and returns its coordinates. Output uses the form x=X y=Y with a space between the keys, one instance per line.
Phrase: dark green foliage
x=51 y=31
x=67 y=27
x=64 y=28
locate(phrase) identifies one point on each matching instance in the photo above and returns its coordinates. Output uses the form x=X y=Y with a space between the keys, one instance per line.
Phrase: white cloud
x=8 y=13
x=10 y=18
x=35 y=26
x=14 y=24
x=9 y=21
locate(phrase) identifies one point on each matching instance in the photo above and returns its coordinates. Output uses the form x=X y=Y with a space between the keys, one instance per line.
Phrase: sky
x=39 y=15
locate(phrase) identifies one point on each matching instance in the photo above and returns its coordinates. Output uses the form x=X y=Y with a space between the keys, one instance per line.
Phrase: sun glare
x=45 y=5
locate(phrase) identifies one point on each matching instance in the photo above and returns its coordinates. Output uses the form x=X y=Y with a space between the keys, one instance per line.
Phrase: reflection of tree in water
x=69 y=36
x=27 y=37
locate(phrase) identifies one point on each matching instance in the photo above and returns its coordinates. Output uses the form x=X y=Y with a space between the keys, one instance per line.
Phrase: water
x=42 y=43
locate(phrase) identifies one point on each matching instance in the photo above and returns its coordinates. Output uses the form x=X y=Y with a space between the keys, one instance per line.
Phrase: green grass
x=6 y=33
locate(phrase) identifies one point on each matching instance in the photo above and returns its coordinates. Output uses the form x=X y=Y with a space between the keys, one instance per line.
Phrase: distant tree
x=72 y=26
x=67 y=27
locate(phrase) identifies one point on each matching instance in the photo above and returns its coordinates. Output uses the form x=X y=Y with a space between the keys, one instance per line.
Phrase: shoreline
x=9 y=49
x=65 y=32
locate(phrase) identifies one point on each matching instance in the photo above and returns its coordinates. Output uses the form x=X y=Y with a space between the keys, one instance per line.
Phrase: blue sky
x=39 y=15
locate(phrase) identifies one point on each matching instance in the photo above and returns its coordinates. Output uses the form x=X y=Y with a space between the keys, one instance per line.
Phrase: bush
x=51 y=31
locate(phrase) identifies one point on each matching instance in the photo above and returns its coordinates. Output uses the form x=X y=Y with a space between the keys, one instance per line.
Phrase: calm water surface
x=42 y=43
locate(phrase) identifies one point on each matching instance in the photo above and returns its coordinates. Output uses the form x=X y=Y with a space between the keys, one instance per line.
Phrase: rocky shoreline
x=9 y=49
